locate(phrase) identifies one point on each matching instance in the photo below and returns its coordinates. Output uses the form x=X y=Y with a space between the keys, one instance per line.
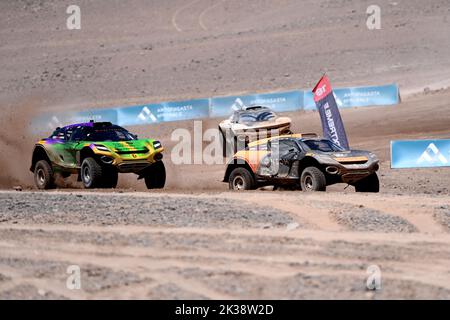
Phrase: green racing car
x=97 y=152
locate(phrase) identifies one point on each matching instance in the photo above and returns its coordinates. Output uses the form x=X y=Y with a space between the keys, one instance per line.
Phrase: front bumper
x=351 y=173
x=133 y=166
x=130 y=162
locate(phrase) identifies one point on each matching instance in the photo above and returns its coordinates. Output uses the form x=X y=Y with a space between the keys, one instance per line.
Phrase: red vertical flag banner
x=332 y=125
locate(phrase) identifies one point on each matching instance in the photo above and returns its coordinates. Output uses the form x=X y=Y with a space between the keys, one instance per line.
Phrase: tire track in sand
x=178 y=11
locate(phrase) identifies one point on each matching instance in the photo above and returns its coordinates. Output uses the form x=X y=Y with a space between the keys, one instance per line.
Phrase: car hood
x=351 y=155
x=134 y=145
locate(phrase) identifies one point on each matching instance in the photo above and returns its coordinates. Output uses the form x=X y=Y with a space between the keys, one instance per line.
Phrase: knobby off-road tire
x=368 y=184
x=92 y=174
x=43 y=175
x=241 y=179
x=313 y=179
x=155 y=177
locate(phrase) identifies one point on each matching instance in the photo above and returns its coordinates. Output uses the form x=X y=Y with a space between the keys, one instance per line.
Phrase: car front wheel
x=368 y=184
x=155 y=177
x=313 y=179
x=91 y=174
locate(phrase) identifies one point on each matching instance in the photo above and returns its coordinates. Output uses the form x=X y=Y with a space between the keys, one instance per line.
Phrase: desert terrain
x=195 y=239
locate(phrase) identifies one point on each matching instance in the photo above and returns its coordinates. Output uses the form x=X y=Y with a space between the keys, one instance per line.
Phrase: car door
x=73 y=139
x=61 y=148
x=56 y=148
x=289 y=153
x=281 y=157
x=269 y=164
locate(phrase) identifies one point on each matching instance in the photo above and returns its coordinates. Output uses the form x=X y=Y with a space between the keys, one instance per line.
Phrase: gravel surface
x=29 y=292
x=306 y=286
x=374 y=252
x=173 y=292
x=4 y=278
x=128 y=245
x=364 y=219
x=442 y=216
x=94 y=278
x=59 y=208
x=177 y=241
x=99 y=278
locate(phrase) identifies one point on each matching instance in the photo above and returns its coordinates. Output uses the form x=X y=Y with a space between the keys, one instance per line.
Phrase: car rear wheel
x=92 y=174
x=241 y=179
x=313 y=179
x=43 y=175
x=368 y=184
x=155 y=177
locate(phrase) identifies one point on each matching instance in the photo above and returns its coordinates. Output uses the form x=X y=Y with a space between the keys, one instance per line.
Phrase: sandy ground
x=280 y=245
x=195 y=239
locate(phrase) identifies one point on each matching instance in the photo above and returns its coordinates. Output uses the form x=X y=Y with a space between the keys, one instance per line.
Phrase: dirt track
x=195 y=240
x=271 y=245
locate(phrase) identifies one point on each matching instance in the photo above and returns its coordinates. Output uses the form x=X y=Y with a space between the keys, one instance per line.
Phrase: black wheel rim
x=238 y=183
x=308 y=182
x=40 y=175
x=86 y=175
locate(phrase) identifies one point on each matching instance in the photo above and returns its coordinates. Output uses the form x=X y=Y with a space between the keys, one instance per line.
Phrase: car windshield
x=256 y=115
x=58 y=135
x=109 y=134
x=322 y=145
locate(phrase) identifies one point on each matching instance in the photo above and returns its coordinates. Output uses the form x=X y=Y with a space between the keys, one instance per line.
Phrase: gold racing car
x=303 y=162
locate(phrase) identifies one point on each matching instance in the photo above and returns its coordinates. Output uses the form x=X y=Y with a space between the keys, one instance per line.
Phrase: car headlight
x=101 y=148
x=373 y=156
x=157 y=145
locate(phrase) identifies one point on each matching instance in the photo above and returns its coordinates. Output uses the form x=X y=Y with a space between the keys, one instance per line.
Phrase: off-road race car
x=301 y=162
x=97 y=152
x=248 y=123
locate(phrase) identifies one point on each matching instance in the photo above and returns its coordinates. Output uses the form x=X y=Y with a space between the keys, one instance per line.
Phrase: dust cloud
x=16 y=143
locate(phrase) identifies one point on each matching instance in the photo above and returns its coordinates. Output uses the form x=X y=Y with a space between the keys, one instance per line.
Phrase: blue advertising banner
x=99 y=115
x=218 y=107
x=420 y=153
x=163 y=112
x=359 y=97
x=49 y=122
x=128 y=116
x=278 y=101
